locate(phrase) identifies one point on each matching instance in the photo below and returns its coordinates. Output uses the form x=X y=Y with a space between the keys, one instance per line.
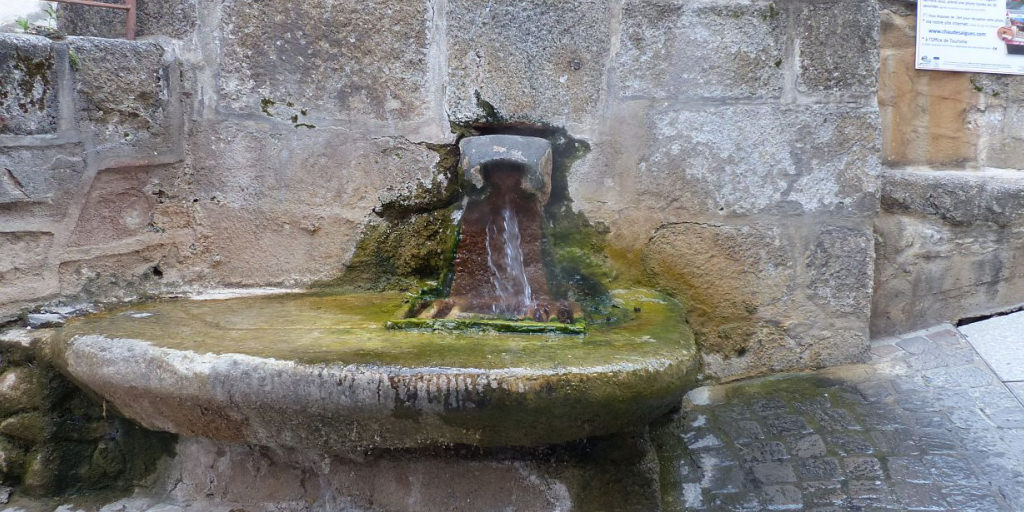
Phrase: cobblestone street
x=926 y=425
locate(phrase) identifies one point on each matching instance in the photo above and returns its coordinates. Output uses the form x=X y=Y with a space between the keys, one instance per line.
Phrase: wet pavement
x=926 y=425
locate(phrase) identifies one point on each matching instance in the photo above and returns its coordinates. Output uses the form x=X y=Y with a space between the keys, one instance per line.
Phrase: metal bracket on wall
x=128 y=6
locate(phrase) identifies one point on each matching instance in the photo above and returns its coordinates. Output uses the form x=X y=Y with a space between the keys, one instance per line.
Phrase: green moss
x=266 y=104
x=33 y=72
x=401 y=254
x=329 y=326
x=73 y=58
x=496 y=325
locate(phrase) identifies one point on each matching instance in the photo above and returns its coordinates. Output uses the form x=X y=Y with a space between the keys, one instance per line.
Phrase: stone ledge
x=958 y=197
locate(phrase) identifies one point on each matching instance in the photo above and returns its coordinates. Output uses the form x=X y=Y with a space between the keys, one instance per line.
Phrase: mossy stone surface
x=321 y=370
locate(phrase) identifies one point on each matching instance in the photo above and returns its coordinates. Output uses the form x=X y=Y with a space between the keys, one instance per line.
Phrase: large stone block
x=277 y=204
x=172 y=18
x=949 y=247
x=742 y=160
x=326 y=59
x=40 y=174
x=840 y=268
x=768 y=296
x=28 y=85
x=725 y=275
x=21 y=388
x=708 y=48
x=961 y=198
x=118 y=206
x=1001 y=136
x=24 y=270
x=128 y=275
x=926 y=115
x=535 y=60
x=837 y=47
x=124 y=99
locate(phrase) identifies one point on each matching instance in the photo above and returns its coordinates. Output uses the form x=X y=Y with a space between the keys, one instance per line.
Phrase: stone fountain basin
x=320 y=370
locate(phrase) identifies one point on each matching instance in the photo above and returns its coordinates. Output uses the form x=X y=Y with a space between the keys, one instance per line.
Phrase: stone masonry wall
x=948 y=237
x=53 y=438
x=734 y=147
x=91 y=148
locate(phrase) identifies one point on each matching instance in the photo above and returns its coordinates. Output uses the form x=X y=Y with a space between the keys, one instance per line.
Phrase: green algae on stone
x=496 y=325
x=332 y=354
x=401 y=255
x=327 y=327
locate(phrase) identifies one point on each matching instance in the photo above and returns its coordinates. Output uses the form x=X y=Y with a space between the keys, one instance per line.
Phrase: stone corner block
x=28 y=85
x=125 y=98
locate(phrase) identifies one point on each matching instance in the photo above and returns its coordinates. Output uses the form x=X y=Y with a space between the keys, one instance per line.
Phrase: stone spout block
x=532 y=153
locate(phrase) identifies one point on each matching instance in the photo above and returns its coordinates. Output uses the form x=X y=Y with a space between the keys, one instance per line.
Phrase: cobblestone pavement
x=926 y=425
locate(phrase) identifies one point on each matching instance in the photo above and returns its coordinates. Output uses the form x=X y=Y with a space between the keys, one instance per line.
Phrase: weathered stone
x=724 y=274
x=218 y=473
x=1000 y=136
x=123 y=96
x=774 y=472
x=862 y=468
x=532 y=60
x=20 y=346
x=120 y=276
x=837 y=44
x=276 y=205
x=41 y=473
x=23 y=265
x=841 y=267
x=959 y=198
x=117 y=207
x=172 y=18
x=764 y=452
x=808 y=446
x=359 y=60
x=533 y=154
x=28 y=85
x=20 y=388
x=926 y=115
x=702 y=161
x=27 y=426
x=47 y=174
x=948 y=248
x=12 y=459
x=680 y=49
x=818 y=469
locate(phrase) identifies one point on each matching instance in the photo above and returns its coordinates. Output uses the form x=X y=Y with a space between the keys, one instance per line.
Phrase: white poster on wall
x=984 y=36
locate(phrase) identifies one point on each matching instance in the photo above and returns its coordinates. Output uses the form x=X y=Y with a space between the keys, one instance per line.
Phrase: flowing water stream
x=505 y=259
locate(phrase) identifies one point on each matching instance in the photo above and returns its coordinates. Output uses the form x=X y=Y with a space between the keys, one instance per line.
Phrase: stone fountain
x=496 y=361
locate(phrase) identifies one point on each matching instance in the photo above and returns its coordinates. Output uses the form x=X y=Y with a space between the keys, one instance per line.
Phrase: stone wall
x=53 y=438
x=734 y=147
x=948 y=238
x=91 y=145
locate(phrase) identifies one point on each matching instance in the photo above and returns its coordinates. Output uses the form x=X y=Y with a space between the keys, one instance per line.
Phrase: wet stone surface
x=924 y=426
